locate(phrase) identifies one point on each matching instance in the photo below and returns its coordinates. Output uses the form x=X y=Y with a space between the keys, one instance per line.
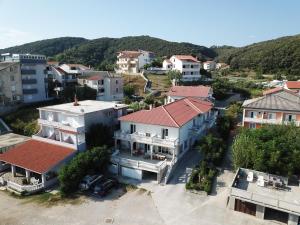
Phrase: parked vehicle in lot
x=88 y=181
x=102 y=188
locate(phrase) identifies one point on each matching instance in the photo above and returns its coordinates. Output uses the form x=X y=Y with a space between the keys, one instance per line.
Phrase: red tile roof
x=186 y=58
x=129 y=54
x=293 y=84
x=36 y=156
x=174 y=114
x=273 y=90
x=96 y=77
x=190 y=91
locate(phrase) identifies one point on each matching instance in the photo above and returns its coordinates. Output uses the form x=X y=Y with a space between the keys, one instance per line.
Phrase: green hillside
x=278 y=55
x=48 y=47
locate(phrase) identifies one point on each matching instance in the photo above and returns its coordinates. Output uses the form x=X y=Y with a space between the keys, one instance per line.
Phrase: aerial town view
x=161 y=112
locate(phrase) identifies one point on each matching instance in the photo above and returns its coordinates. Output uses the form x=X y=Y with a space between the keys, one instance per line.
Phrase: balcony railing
x=29 y=81
x=55 y=142
x=152 y=139
x=25 y=188
x=28 y=72
x=30 y=91
x=270 y=121
x=79 y=129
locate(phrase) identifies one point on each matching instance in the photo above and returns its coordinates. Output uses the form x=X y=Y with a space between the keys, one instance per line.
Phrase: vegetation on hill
x=279 y=55
x=48 y=47
x=274 y=149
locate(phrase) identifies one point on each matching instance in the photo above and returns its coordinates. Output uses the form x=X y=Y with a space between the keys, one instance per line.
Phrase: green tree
x=174 y=75
x=129 y=90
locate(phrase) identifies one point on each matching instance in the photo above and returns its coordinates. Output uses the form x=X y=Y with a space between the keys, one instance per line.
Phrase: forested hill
x=278 y=55
x=102 y=51
x=48 y=47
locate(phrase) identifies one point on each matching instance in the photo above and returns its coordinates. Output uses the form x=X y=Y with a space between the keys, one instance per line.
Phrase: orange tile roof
x=175 y=114
x=190 y=91
x=273 y=90
x=186 y=58
x=293 y=84
x=36 y=156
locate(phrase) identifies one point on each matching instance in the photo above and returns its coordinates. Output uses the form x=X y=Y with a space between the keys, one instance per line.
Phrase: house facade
x=11 y=91
x=109 y=86
x=155 y=140
x=33 y=74
x=66 y=124
x=201 y=92
x=187 y=65
x=277 y=106
x=132 y=62
x=209 y=65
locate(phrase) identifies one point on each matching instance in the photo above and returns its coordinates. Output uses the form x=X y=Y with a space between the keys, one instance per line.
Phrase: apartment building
x=132 y=62
x=209 y=65
x=277 y=106
x=153 y=141
x=201 y=92
x=33 y=74
x=66 y=124
x=10 y=83
x=109 y=86
x=187 y=65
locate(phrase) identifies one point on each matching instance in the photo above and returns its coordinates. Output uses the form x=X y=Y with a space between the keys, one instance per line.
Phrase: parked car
x=88 y=181
x=102 y=188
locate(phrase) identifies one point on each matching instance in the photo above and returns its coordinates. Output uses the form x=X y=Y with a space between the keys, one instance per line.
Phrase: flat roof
x=282 y=199
x=36 y=156
x=84 y=107
x=11 y=139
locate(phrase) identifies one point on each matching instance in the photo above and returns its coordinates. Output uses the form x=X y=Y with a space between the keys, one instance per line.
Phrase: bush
x=91 y=161
x=129 y=90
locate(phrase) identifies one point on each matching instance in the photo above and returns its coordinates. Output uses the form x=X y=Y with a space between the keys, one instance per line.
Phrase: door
x=245 y=207
x=164 y=133
x=131 y=173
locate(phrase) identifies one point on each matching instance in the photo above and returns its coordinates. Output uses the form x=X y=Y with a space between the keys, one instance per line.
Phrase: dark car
x=102 y=188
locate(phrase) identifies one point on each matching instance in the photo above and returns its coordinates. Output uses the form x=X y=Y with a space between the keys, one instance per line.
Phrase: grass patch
x=160 y=82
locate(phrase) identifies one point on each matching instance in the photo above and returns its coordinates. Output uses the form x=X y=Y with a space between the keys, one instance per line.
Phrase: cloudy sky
x=222 y=22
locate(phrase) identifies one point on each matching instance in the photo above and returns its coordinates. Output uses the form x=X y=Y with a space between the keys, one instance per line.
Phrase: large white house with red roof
x=201 y=92
x=187 y=65
x=154 y=140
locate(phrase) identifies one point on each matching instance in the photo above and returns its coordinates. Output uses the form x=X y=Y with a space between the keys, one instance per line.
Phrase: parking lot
x=151 y=204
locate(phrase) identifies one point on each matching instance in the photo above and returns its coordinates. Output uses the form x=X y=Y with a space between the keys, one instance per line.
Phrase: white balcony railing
x=51 y=141
x=270 y=121
x=25 y=188
x=79 y=129
x=152 y=139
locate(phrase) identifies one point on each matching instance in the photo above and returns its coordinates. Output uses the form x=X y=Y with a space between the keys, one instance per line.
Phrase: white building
x=132 y=62
x=187 y=65
x=201 y=92
x=209 y=65
x=67 y=124
x=109 y=86
x=154 y=140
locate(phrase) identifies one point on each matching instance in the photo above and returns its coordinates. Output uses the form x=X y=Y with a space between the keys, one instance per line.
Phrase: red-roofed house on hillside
x=292 y=85
x=155 y=140
x=131 y=62
x=34 y=162
x=200 y=92
x=187 y=65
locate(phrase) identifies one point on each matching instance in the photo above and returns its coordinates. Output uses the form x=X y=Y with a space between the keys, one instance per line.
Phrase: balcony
x=39 y=137
x=30 y=91
x=270 y=121
x=153 y=139
x=29 y=81
x=62 y=126
x=28 y=72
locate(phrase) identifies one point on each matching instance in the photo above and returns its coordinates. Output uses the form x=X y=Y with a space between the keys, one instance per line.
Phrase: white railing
x=61 y=126
x=170 y=168
x=270 y=121
x=25 y=188
x=51 y=141
x=266 y=200
x=142 y=137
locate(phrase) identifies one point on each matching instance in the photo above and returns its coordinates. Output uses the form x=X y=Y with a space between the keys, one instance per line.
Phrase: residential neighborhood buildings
x=209 y=65
x=277 y=106
x=132 y=62
x=109 y=86
x=201 y=92
x=265 y=196
x=33 y=75
x=152 y=141
x=187 y=65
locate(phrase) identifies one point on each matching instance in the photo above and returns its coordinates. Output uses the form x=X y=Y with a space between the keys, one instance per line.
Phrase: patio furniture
x=260 y=181
x=250 y=177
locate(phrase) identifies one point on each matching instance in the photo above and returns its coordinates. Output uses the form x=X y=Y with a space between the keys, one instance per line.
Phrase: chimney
x=75 y=101
x=150 y=106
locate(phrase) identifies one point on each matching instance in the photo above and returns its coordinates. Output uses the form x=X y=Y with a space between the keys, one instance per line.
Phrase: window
x=14 y=98
x=148 y=135
x=271 y=116
x=164 y=133
x=11 y=69
x=13 y=88
x=191 y=73
x=117 y=81
x=132 y=128
x=117 y=90
x=290 y=117
x=192 y=66
x=252 y=114
x=252 y=125
x=183 y=66
x=12 y=78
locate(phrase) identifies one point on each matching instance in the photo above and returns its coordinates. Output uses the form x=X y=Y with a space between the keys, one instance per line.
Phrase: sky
x=203 y=22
